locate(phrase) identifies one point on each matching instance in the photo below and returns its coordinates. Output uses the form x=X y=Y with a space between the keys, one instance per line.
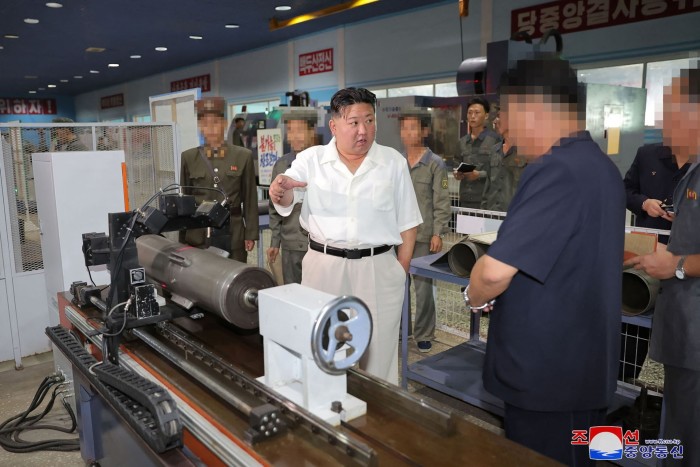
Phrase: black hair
x=238 y=119
x=310 y=124
x=553 y=78
x=480 y=101
x=350 y=96
x=691 y=87
x=424 y=118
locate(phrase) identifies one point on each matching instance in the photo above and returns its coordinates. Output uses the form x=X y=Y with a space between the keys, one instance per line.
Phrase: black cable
x=218 y=190
x=11 y=429
x=90 y=275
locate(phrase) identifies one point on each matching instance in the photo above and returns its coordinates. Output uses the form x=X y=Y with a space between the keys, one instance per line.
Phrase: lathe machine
x=190 y=358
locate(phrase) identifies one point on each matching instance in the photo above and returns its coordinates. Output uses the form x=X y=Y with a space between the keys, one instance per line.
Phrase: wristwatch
x=441 y=235
x=467 y=301
x=680 y=270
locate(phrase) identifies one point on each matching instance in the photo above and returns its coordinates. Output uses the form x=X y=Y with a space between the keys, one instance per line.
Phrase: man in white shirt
x=358 y=203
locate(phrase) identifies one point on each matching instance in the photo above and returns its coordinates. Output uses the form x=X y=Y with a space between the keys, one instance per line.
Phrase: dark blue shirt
x=654 y=174
x=553 y=340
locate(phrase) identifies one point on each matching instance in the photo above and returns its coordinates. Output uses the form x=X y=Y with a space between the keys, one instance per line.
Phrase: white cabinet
x=74 y=192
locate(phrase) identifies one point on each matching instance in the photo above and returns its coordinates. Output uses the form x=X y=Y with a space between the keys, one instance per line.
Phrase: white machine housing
x=287 y=317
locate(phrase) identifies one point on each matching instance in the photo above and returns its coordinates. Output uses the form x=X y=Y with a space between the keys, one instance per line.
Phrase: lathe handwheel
x=343 y=320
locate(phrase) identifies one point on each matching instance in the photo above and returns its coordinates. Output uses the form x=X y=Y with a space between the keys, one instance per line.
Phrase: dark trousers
x=549 y=433
x=681 y=416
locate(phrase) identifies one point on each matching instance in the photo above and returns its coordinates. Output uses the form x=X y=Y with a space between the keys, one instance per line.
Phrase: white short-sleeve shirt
x=368 y=208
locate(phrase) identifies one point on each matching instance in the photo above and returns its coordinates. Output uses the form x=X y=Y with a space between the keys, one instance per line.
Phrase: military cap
x=309 y=115
x=62 y=120
x=211 y=105
x=423 y=115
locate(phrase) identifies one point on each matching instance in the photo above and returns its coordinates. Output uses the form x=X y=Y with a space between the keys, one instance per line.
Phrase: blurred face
x=681 y=124
x=212 y=127
x=299 y=135
x=354 y=130
x=534 y=124
x=476 y=116
x=412 y=135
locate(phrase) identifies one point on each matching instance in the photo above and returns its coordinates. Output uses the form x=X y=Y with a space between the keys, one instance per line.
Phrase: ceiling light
x=64 y=80
x=42 y=89
x=113 y=65
x=94 y=72
x=32 y=92
x=135 y=56
x=11 y=36
x=54 y=5
x=197 y=38
x=161 y=49
x=30 y=77
x=31 y=20
x=78 y=77
x=283 y=8
x=95 y=49
x=52 y=85
x=232 y=26
x=344 y=6
x=1 y=47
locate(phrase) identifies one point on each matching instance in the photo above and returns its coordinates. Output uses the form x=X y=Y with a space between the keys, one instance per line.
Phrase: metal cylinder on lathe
x=213 y=283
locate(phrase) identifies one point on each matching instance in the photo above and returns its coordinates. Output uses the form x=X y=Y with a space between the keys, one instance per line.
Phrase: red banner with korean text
x=20 y=106
x=202 y=81
x=115 y=100
x=320 y=61
x=582 y=15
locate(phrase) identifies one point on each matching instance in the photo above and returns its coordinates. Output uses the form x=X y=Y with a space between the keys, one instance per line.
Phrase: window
x=142 y=118
x=424 y=90
x=446 y=89
x=659 y=74
x=253 y=107
x=625 y=75
x=439 y=89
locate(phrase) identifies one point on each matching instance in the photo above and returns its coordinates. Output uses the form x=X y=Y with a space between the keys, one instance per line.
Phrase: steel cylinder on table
x=463 y=255
x=216 y=284
x=639 y=291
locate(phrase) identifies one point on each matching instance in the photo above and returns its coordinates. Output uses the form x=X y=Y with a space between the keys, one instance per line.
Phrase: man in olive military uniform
x=216 y=166
x=286 y=231
x=476 y=148
x=503 y=173
x=429 y=177
x=66 y=139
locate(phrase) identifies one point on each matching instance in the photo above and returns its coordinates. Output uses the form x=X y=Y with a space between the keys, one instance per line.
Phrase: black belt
x=349 y=254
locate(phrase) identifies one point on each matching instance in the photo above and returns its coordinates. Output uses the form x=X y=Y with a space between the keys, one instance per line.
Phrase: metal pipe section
x=463 y=255
x=639 y=291
x=99 y=303
x=218 y=285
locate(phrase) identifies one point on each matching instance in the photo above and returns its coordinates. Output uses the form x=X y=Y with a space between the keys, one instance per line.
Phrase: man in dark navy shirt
x=555 y=269
x=650 y=182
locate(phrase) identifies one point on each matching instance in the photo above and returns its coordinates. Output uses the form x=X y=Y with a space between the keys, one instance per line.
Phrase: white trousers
x=380 y=282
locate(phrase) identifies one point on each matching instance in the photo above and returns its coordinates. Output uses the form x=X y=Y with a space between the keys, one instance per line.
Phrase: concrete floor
x=17 y=388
